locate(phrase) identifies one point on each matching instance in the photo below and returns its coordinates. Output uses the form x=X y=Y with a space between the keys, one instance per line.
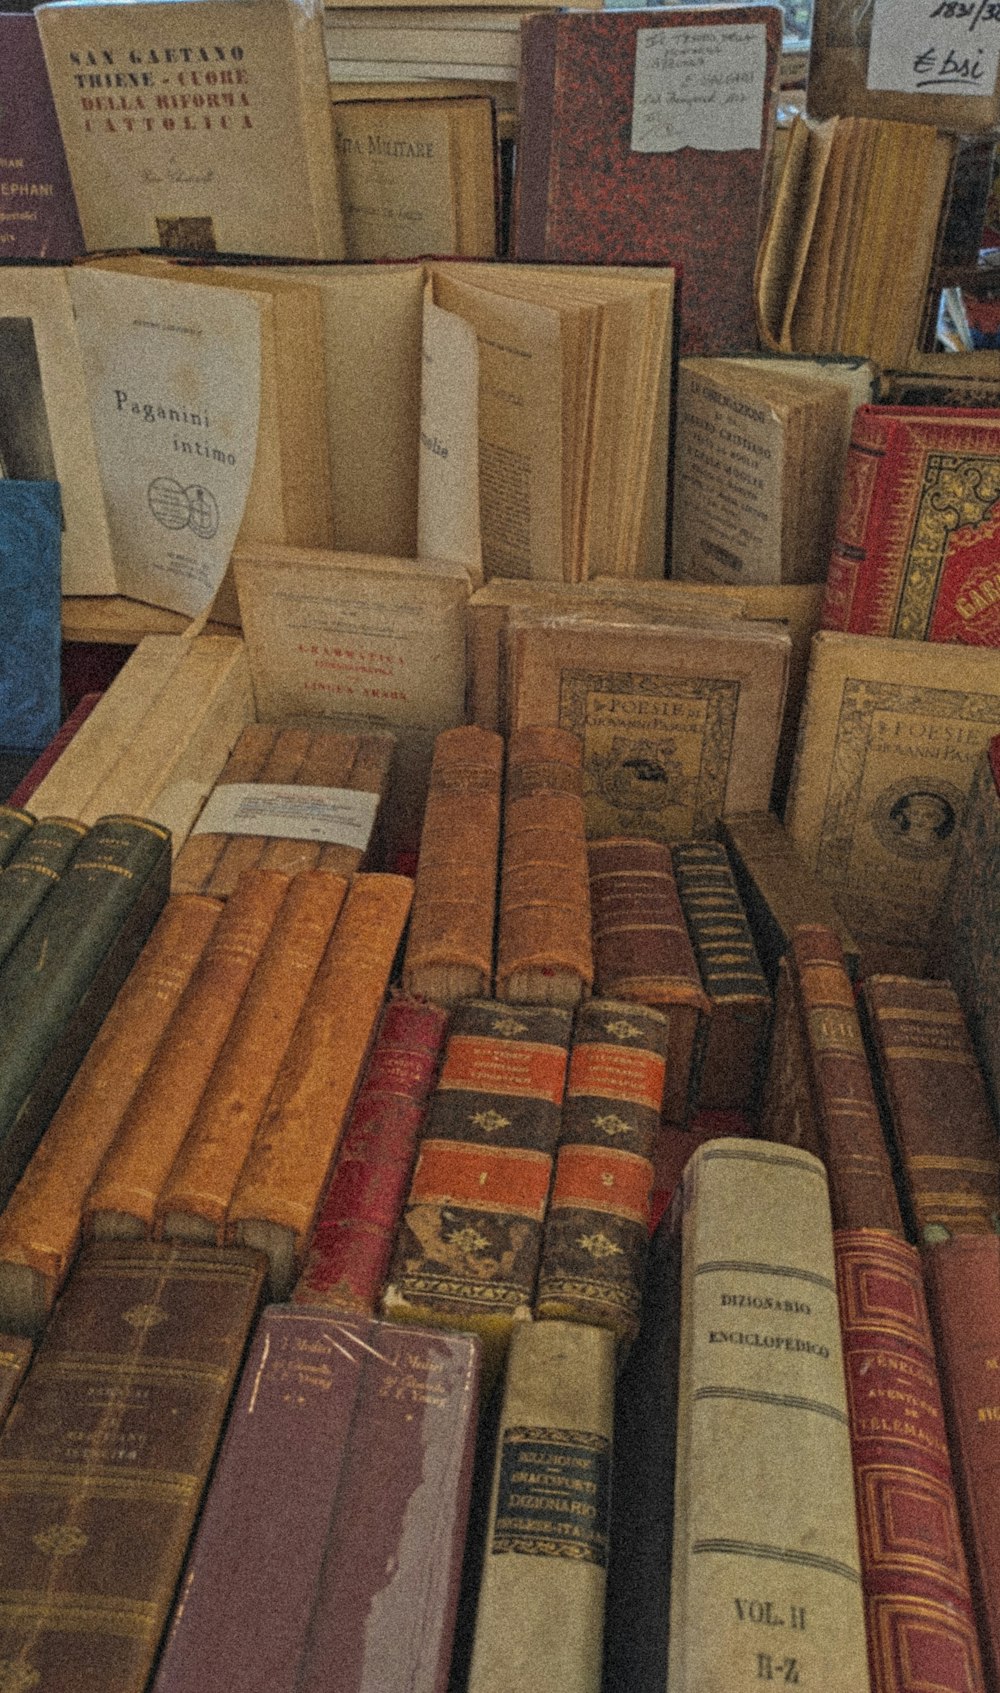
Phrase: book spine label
x=32 y=872
x=200 y=853
x=921 y=1627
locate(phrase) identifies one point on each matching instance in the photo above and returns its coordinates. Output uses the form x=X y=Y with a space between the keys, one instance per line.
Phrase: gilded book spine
x=597 y=1224
x=14 y=825
x=853 y=538
x=921 y=1627
x=31 y=873
x=349 y=1256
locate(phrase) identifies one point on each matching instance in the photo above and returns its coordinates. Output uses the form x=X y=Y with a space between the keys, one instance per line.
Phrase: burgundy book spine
x=39 y=211
x=56 y=747
x=348 y=1260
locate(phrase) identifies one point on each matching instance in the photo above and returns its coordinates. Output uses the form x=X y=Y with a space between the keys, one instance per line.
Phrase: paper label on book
x=553 y=1494
x=934 y=46
x=336 y=816
x=700 y=87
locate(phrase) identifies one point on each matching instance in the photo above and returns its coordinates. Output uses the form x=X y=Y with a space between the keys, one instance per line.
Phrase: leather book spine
x=198 y=857
x=597 y=1224
x=244 y=852
x=540 y=1615
x=918 y=1603
x=787 y=1107
x=348 y=1259
x=328 y=762
x=455 y=892
x=14 y=825
x=857 y=516
x=122 y=1200
x=643 y=951
x=281 y=1185
x=543 y=933
x=15 y=1356
x=761 y=1393
x=193 y=1201
x=371 y=773
x=59 y=982
x=287 y=1575
x=40 y=1226
x=862 y=1193
x=778 y=889
x=467 y=1251
x=733 y=1055
x=962 y=1280
x=936 y=1106
x=31 y=873
x=107 y=1450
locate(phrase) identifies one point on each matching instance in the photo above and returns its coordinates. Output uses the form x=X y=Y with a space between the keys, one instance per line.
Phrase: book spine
x=328 y=762
x=455 y=894
x=200 y=853
x=14 y=825
x=108 y=1447
x=370 y=774
x=967 y=939
x=124 y=1195
x=534 y=163
x=787 y=1107
x=348 y=1259
x=921 y=1627
x=194 y=1199
x=40 y=1226
x=32 y=872
x=243 y=852
x=777 y=888
x=15 y=1356
x=848 y=603
x=597 y=1224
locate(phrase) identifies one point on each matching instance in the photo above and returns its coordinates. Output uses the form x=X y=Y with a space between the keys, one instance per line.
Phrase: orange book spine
x=369 y=775
x=328 y=763
x=244 y=852
x=200 y=854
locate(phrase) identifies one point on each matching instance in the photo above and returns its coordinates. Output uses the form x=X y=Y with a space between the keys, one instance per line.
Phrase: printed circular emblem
x=641 y=776
x=61 y=1540
x=203 y=512
x=915 y=820
x=16 y=1676
x=168 y=503
x=144 y=1316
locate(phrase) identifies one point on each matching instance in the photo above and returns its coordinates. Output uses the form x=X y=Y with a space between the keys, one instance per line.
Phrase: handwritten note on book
x=935 y=46
x=700 y=86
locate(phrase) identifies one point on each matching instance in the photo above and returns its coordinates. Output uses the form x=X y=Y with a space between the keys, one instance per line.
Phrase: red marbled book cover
x=590 y=189
x=349 y=1256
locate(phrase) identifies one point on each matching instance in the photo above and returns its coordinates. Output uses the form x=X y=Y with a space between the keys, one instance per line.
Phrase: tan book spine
x=123 y=1198
x=194 y=1201
x=370 y=774
x=328 y=763
x=281 y=1184
x=449 y=950
x=244 y=852
x=40 y=1226
x=200 y=854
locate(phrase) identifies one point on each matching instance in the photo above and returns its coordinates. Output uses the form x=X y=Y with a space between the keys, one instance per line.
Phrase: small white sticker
x=701 y=86
x=337 y=816
x=934 y=46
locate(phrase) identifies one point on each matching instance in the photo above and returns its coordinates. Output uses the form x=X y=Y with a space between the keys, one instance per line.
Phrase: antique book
x=913 y=555
x=199 y=127
x=888 y=743
x=365 y=643
x=760 y=1391
x=643 y=952
x=110 y=1444
x=34 y=776
x=193 y=1199
x=32 y=871
x=197 y=859
x=15 y=1356
x=625 y=138
x=935 y=1105
x=467 y=1252
x=597 y=1222
x=966 y=941
x=333 y=1570
x=282 y=1182
x=885 y=61
x=679 y=724
x=760 y=451
x=60 y=979
x=348 y=1259
x=14 y=825
x=123 y=1197
x=832 y=276
x=38 y=218
x=735 y=1048
x=417 y=176
x=30 y=559
x=777 y=888
x=544 y=952
x=787 y=1107
x=449 y=945
x=540 y=1612
x=40 y=1225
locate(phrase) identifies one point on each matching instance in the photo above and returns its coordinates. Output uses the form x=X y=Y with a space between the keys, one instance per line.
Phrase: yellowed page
x=448 y=502
x=785 y=245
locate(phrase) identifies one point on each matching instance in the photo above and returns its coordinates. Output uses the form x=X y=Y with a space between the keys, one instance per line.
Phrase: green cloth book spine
x=14 y=825
x=31 y=873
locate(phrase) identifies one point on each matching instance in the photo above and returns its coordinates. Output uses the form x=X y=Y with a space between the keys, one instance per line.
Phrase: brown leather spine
x=544 y=923
x=328 y=763
x=370 y=774
x=862 y=1194
x=40 y=1226
x=643 y=951
x=936 y=1104
x=129 y=1181
x=282 y=1181
x=207 y=1167
x=455 y=893
x=199 y=855
x=787 y=1109
x=15 y=1356
x=244 y=852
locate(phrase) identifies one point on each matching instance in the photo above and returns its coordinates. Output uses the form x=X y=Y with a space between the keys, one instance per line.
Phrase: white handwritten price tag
x=935 y=46
x=701 y=86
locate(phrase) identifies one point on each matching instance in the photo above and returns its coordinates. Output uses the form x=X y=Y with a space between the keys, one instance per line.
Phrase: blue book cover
x=30 y=556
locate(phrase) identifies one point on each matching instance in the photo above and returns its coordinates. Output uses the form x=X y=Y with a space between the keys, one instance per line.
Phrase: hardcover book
x=626 y=137
x=14 y=825
x=300 y=1564
x=31 y=873
x=30 y=555
x=914 y=554
x=777 y=888
x=38 y=218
